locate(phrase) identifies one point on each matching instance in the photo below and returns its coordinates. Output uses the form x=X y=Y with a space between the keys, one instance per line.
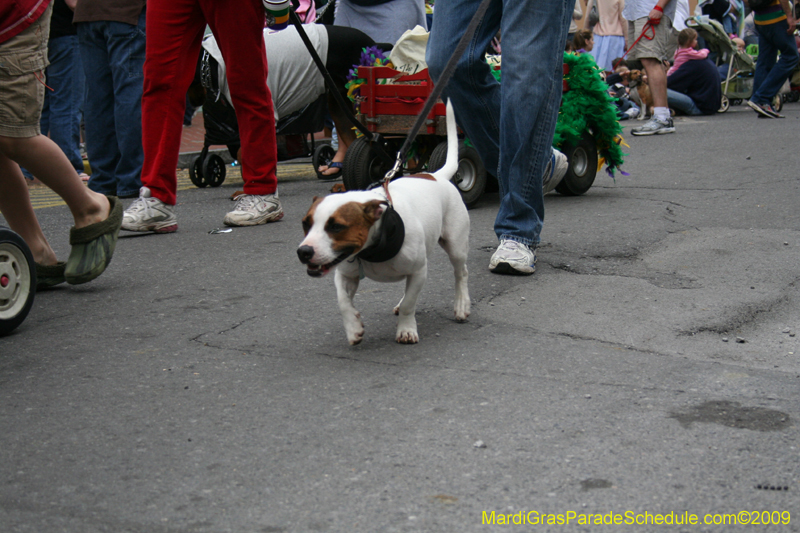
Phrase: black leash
x=438 y=87
x=347 y=108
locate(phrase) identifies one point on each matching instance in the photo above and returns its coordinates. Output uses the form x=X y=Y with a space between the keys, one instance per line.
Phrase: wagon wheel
x=213 y=170
x=777 y=102
x=17 y=280
x=362 y=166
x=323 y=155
x=724 y=105
x=582 y=166
x=470 y=177
x=196 y=173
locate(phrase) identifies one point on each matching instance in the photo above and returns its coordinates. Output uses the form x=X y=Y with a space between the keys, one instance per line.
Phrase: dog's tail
x=450 y=167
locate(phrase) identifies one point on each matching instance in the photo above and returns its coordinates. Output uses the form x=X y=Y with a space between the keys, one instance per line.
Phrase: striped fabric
x=770 y=15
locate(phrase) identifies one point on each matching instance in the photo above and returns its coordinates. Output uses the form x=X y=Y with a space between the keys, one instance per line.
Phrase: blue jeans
x=113 y=60
x=512 y=128
x=682 y=103
x=61 y=112
x=771 y=71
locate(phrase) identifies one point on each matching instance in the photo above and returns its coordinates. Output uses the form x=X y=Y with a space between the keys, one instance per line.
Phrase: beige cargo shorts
x=656 y=48
x=23 y=59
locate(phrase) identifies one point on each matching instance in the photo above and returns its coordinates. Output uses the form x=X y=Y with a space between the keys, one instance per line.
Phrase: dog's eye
x=335 y=227
x=306 y=226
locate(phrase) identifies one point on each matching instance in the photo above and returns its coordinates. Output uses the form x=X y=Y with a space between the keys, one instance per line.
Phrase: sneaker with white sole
x=149 y=214
x=513 y=257
x=252 y=210
x=655 y=127
x=555 y=171
x=764 y=110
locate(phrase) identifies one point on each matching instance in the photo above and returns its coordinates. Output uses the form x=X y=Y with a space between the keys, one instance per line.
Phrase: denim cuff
x=522 y=240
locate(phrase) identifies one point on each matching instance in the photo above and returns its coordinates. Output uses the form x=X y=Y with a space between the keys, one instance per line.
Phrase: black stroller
x=295 y=132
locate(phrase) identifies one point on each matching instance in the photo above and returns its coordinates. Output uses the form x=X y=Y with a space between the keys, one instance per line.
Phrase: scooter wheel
x=17 y=280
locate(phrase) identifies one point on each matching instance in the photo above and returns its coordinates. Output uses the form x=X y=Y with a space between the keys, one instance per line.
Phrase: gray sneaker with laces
x=655 y=127
x=513 y=257
x=555 y=171
x=149 y=214
x=252 y=210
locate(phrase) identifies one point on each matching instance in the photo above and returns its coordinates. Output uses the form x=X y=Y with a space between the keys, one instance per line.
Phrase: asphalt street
x=651 y=366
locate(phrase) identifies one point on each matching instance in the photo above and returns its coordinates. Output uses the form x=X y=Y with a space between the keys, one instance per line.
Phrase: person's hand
x=791 y=20
x=655 y=15
x=71 y=4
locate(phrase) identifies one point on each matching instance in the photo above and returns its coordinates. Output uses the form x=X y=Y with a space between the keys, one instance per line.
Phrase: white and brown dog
x=389 y=238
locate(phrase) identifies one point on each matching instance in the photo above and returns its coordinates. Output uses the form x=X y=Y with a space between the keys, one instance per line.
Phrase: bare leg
x=16 y=207
x=346 y=135
x=47 y=162
x=657 y=79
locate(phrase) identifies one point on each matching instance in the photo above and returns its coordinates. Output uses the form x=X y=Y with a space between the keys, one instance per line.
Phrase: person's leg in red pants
x=173 y=45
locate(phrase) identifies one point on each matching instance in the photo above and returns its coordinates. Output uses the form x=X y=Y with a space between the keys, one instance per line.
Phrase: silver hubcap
x=15 y=281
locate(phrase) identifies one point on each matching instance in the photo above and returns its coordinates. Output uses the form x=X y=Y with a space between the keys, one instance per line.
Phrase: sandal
x=93 y=246
x=336 y=175
x=49 y=275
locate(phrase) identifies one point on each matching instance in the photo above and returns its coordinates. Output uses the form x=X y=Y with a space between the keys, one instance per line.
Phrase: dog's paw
x=356 y=338
x=407 y=337
x=461 y=310
x=354 y=329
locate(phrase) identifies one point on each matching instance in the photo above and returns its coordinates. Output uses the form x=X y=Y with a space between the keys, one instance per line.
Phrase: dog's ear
x=308 y=220
x=374 y=209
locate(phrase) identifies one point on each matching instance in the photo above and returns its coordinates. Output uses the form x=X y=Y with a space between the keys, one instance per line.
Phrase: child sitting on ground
x=687 y=42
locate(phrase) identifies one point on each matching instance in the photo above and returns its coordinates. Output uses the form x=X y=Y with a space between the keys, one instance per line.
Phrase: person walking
x=775 y=25
x=512 y=129
x=650 y=28
x=176 y=30
x=111 y=36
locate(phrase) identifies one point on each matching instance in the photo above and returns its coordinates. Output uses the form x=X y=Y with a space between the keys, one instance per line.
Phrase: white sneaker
x=555 y=171
x=513 y=257
x=149 y=214
x=252 y=210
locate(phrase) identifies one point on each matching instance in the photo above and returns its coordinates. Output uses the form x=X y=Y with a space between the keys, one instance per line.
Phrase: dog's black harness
x=390 y=239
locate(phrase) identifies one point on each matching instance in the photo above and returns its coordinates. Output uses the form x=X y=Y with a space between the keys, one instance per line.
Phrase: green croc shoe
x=93 y=246
x=49 y=275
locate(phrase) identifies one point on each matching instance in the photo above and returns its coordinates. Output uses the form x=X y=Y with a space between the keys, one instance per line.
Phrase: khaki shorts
x=657 y=48
x=22 y=59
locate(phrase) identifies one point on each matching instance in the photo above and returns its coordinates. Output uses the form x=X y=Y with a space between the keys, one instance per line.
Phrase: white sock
x=661 y=113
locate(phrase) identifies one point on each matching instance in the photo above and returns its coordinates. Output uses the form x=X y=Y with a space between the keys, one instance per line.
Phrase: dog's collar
x=390 y=239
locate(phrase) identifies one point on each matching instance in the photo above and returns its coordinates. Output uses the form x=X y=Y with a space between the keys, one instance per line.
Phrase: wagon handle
x=332 y=87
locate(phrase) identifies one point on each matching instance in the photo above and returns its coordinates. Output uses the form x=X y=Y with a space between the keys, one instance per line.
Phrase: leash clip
x=398 y=164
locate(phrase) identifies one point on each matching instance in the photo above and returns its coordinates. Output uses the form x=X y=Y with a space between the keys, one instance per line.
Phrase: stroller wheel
x=17 y=280
x=196 y=173
x=323 y=155
x=724 y=105
x=213 y=170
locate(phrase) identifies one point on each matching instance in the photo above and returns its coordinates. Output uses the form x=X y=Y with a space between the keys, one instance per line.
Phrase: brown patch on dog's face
x=348 y=226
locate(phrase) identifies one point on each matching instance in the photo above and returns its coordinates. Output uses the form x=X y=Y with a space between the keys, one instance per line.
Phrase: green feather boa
x=587 y=105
